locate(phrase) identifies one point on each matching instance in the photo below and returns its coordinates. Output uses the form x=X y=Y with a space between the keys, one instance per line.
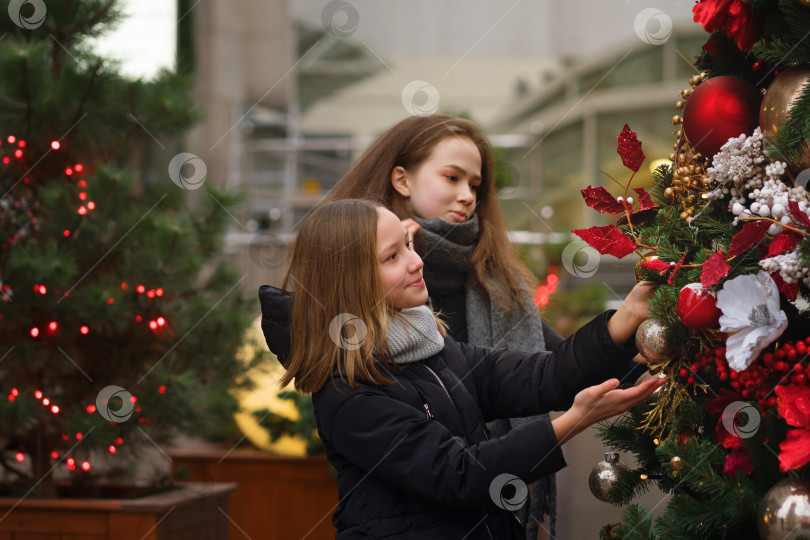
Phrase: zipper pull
x=427 y=411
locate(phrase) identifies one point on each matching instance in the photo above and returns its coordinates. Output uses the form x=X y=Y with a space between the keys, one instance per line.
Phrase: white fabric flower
x=750 y=306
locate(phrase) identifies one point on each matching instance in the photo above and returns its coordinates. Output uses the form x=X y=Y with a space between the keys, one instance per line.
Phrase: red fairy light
x=159 y=291
x=82 y=184
x=151 y=293
x=91 y=205
x=82 y=196
x=153 y=325
x=65 y=437
x=19 y=456
x=79 y=167
x=69 y=171
x=140 y=289
x=66 y=233
x=55 y=145
x=11 y=139
x=84 y=330
x=82 y=210
x=18 y=153
x=119 y=441
x=52 y=326
x=21 y=144
x=34 y=332
x=55 y=409
x=46 y=401
x=71 y=466
x=110 y=300
x=38 y=394
x=11 y=398
x=137 y=318
x=41 y=289
x=111 y=449
x=133 y=399
x=54 y=455
x=78 y=436
x=86 y=466
x=161 y=321
x=15 y=392
x=124 y=286
x=162 y=389
x=91 y=409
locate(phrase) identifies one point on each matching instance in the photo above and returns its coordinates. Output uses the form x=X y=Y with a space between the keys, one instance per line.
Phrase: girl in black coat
x=401 y=406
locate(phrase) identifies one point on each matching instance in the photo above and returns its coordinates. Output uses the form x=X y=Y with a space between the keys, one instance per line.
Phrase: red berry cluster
x=710 y=361
x=787 y=364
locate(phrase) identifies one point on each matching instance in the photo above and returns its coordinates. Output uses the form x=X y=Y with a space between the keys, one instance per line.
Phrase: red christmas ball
x=718 y=109
x=697 y=307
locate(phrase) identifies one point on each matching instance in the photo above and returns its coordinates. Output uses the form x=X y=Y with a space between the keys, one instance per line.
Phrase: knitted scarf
x=446 y=249
x=413 y=335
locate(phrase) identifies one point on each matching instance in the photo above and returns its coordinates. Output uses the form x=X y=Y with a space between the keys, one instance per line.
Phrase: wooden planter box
x=279 y=498
x=191 y=512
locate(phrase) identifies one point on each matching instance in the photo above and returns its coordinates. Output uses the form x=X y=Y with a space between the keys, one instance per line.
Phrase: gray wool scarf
x=413 y=335
x=446 y=249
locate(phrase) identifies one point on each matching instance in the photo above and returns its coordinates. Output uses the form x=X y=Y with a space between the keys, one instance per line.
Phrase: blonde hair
x=339 y=312
x=495 y=263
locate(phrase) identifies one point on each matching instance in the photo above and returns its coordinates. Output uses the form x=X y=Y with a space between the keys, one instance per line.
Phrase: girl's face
x=444 y=185
x=400 y=266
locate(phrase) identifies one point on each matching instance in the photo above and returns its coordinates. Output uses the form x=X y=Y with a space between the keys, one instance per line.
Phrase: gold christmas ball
x=668 y=193
x=605 y=475
x=784 y=511
x=777 y=103
x=675 y=463
x=650 y=341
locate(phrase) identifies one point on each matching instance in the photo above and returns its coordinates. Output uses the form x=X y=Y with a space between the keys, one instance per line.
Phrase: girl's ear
x=400 y=181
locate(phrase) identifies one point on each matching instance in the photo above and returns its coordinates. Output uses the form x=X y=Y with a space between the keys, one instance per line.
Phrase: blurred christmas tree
x=726 y=237
x=118 y=326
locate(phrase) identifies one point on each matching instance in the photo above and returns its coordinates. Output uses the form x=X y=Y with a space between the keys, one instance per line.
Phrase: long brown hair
x=496 y=265
x=339 y=310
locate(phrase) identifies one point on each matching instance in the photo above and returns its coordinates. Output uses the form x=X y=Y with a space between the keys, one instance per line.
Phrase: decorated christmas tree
x=725 y=235
x=119 y=326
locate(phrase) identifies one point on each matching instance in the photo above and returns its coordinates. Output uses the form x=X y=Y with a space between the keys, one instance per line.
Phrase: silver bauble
x=605 y=475
x=650 y=341
x=784 y=511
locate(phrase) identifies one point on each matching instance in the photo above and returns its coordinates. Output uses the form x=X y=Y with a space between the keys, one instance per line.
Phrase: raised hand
x=600 y=402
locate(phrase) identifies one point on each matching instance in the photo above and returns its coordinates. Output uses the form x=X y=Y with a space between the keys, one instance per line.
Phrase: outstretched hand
x=600 y=402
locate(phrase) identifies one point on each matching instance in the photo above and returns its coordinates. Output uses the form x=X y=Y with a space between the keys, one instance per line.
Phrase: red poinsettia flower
x=738 y=462
x=734 y=17
x=795 y=449
x=794 y=407
x=794 y=404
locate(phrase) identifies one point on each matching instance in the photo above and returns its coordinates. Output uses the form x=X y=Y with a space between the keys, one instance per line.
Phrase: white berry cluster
x=788 y=266
x=738 y=166
x=754 y=186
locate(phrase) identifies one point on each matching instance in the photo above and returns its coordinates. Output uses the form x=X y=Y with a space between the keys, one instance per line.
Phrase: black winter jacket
x=413 y=458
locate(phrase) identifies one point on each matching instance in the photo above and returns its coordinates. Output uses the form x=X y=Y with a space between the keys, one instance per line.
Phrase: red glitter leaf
x=788 y=290
x=714 y=269
x=799 y=216
x=644 y=199
x=751 y=233
x=607 y=240
x=600 y=199
x=655 y=264
x=639 y=216
x=630 y=149
x=783 y=242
